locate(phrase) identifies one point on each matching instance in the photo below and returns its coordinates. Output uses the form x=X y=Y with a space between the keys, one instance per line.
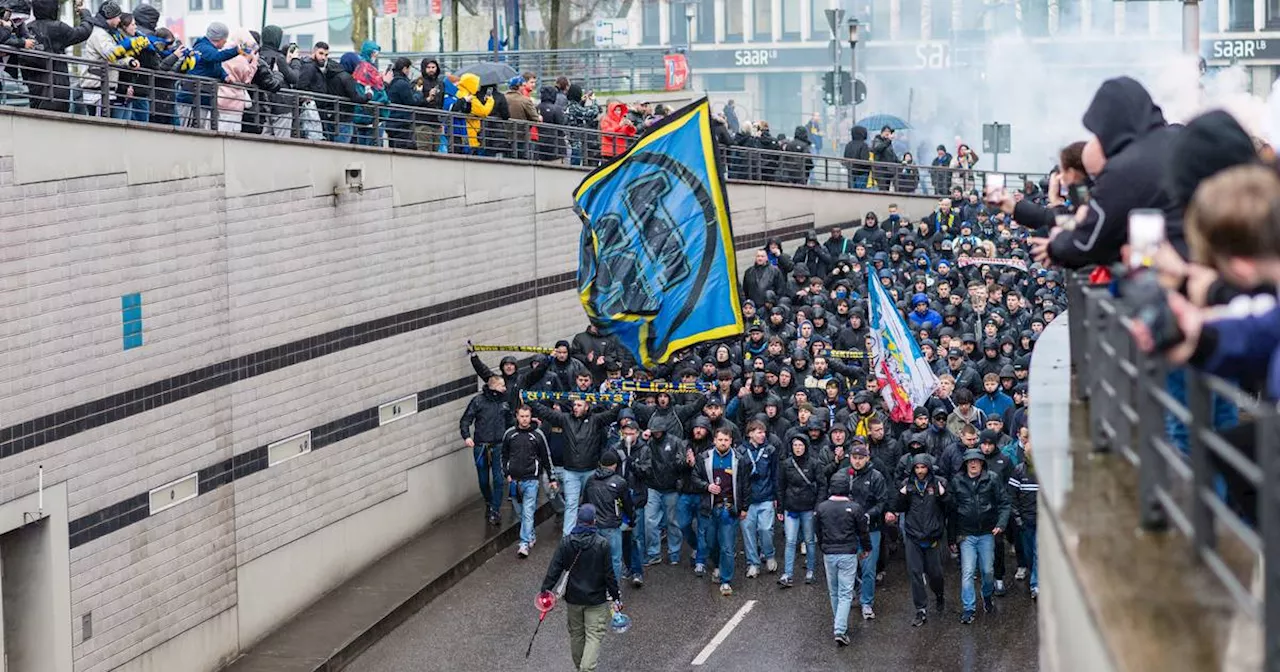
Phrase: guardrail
x=613 y=70
x=1128 y=401
x=95 y=89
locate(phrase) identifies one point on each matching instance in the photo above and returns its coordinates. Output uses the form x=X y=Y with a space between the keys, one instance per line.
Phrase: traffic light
x=848 y=91
x=828 y=88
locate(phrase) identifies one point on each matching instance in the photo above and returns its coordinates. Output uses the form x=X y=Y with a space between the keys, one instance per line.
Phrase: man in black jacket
x=584 y=432
x=584 y=554
x=633 y=465
x=526 y=457
x=858 y=157
x=923 y=500
x=725 y=503
x=999 y=464
x=47 y=79
x=313 y=77
x=761 y=279
x=490 y=413
x=609 y=494
x=1025 y=486
x=868 y=489
x=281 y=73
x=980 y=511
x=840 y=525
x=886 y=160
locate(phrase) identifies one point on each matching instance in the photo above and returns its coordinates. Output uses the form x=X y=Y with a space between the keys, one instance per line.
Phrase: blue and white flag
x=657 y=267
x=906 y=381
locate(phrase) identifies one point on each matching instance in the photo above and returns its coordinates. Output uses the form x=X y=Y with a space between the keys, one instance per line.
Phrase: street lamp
x=853 y=68
x=690 y=11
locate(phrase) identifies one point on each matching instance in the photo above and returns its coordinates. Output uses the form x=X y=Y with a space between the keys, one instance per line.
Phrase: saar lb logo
x=639 y=252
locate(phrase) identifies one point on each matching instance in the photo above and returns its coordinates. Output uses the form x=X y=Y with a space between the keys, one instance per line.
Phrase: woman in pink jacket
x=232 y=100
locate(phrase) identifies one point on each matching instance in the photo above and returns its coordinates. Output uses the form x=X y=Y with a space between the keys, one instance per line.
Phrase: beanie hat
x=586 y=514
x=110 y=9
x=215 y=31
x=609 y=459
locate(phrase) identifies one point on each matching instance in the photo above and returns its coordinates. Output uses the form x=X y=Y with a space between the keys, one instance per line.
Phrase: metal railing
x=1208 y=486
x=612 y=70
x=95 y=89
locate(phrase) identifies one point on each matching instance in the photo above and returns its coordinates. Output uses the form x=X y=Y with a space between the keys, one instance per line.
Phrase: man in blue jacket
x=761 y=460
x=922 y=316
x=211 y=51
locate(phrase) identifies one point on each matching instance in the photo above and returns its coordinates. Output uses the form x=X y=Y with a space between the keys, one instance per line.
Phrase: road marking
x=716 y=641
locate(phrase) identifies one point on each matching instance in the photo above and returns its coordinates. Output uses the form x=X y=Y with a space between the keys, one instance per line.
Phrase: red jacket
x=616 y=130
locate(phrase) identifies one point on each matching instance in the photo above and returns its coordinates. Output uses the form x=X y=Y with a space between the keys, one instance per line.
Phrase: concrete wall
x=269 y=307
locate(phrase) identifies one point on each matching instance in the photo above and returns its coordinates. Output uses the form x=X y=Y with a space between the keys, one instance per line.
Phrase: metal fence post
x=1200 y=405
x=1269 y=529
x=1153 y=473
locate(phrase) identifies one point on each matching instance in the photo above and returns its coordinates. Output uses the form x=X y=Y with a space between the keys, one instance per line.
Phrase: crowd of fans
x=792 y=419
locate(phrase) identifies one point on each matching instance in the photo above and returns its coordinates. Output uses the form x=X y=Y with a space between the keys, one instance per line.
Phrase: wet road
x=484 y=623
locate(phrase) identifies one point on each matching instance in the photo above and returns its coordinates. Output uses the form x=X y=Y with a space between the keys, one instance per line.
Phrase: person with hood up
x=799 y=168
x=666 y=456
x=923 y=500
x=616 y=128
x=430 y=88
x=800 y=487
x=885 y=158
x=470 y=103
x=871 y=235
x=352 y=118
x=1131 y=146
x=610 y=495
x=550 y=145
x=840 y=525
x=980 y=511
x=907 y=180
x=101 y=47
x=921 y=315
x=582 y=112
x=1025 y=486
x=813 y=256
x=232 y=99
x=857 y=156
x=939 y=174
x=585 y=555
x=47 y=80
x=282 y=71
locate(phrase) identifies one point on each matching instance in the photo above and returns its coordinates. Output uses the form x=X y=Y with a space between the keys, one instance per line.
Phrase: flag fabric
x=656 y=265
x=906 y=381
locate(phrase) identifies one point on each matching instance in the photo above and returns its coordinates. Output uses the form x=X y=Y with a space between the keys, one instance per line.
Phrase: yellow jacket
x=468 y=86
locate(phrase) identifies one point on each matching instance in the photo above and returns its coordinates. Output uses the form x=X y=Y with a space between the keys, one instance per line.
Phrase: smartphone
x=1079 y=194
x=994 y=188
x=293 y=46
x=1146 y=234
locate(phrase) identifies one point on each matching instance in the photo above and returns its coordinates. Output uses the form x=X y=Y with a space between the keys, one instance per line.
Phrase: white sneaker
x=867 y=613
x=715 y=575
x=726 y=589
x=771 y=565
x=523 y=551
x=752 y=571
x=699 y=570
x=1021 y=574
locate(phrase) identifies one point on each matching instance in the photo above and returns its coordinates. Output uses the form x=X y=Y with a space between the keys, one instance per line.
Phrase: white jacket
x=99 y=47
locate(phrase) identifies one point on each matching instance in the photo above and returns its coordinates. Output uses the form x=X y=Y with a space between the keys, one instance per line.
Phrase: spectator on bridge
x=277 y=119
x=429 y=87
x=400 y=93
x=964 y=163
x=313 y=77
x=799 y=169
x=47 y=80
x=584 y=554
x=857 y=156
x=211 y=52
x=232 y=99
x=523 y=113
x=476 y=107
x=885 y=158
x=550 y=145
x=582 y=113
x=940 y=175
x=908 y=179
x=101 y=48
x=616 y=128
x=731 y=117
x=814 y=128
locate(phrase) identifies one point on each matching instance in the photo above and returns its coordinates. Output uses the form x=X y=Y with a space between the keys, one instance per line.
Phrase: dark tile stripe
x=107 y=520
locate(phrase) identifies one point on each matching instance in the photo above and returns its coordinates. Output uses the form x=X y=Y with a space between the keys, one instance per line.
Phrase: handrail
x=76 y=86
x=1128 y=403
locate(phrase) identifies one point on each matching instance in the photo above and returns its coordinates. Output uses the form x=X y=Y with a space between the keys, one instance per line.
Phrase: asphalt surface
x=485 y=621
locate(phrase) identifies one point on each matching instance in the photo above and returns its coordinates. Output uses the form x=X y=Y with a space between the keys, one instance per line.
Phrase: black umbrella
x=490 y=72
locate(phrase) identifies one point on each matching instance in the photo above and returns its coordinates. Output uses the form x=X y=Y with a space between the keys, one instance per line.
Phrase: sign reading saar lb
x=1237 y=49
x=748 y=57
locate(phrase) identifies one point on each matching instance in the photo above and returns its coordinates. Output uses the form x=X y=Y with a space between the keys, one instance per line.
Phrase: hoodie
x=476 y=108
x=930 y=319
x=1138 y=144
x=798 y=169
x=857 y=151
x=614 y=123
x=550 y=144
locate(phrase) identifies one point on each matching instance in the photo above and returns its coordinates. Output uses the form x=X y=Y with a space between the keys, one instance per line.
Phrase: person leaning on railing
x=48 y=83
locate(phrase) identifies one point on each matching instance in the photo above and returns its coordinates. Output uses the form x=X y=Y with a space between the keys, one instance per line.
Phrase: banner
x=650 y=387
x=983 y=261
x=536 y=349
x=677 y=68
x=589 y=397
x=906 y=381
x=656 y=266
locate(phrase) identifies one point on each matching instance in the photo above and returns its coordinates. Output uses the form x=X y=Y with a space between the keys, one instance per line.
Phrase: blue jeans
x=614 y=535
x=132 y=109
x=659 y=511
x=529 y=501
x=573 y=482
x=869 y=571
x=757 y=530
x=977 y=550
x=841 y=570
x=792 y=525
x=1225 y=413
x=1029 y=547
x=686 y=512
x=720 y=527
x=857 y=181
x=488 y=458
x=636 y=545
x=343 y=134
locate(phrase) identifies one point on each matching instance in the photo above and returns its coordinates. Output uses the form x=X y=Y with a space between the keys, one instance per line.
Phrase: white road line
x=716 y=641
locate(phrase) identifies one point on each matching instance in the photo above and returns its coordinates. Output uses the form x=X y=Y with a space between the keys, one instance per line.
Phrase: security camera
x=354 y=177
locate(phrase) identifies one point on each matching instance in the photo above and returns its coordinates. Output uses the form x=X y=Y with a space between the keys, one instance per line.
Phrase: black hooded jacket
x=586 y=556
x=801 y=481
x=47 y=79
x=923 y=506
x=1138 y=144
x=666 y=463
x=584 y=437
x=799 y=168
x=609 y=493
x=858 y=151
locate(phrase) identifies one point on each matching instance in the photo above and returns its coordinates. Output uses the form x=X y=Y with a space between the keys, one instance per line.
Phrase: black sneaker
x=919 y=620
x=988 y=605
x=637 y=581
x=941 y=604
x=785 y=581
x=842 y=639
x=966 y=618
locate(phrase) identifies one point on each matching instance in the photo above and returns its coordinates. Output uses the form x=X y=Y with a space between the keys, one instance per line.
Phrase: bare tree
x=564 y=17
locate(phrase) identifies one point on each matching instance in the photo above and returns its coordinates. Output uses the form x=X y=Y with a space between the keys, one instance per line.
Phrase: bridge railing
x=95 y=89
x=640 y=69
x=1206 y=481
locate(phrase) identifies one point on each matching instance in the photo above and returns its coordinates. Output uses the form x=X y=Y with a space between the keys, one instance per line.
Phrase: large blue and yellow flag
x=657 y=266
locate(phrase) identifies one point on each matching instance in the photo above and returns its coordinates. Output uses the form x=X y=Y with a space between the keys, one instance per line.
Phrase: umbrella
x=490 y=72
x=876 y=122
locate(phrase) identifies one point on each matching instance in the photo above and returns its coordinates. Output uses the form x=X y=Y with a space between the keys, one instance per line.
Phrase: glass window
x=677 y=24
x=728 y=82
x=910 y=20
x=195 y=5
x=306 y=42
x=880 y=15
x=215 y=5
x=733 y=20
x=306 y=4
x=1241 y=15
x=705 y=22
x=650 y=23
x=763 y=12
x=791 y=19
x=940 y=19
x=279 y=4
x=1035 y=18
x=1137 y=18
x=1104 y=18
